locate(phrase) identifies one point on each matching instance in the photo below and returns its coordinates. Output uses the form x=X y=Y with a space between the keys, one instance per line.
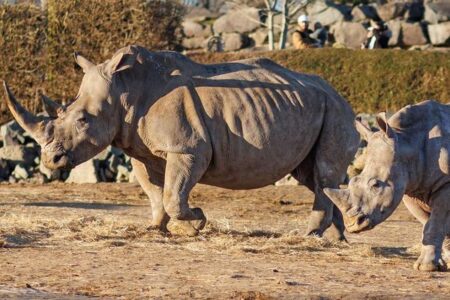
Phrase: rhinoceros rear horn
x=34 y=125
x=83 y=62
x=340 y=197
x=50 y=107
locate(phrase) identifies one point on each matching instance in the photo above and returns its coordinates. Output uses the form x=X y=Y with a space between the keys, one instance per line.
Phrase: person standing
x=301 y=38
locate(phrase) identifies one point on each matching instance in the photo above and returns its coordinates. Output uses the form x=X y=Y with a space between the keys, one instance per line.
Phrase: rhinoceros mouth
x=358 y=223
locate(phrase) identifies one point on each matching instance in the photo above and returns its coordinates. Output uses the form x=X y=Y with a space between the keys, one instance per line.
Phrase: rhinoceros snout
x=57 y=160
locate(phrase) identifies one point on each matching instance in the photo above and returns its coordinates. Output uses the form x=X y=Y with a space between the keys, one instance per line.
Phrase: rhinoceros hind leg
x=446 y=249
x=152 y=184
x=183 y=171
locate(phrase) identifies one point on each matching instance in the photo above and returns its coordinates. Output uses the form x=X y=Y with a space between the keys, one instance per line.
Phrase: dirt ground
x=61 y=241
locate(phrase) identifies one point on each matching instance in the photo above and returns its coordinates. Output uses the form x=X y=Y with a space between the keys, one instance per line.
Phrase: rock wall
x=412 y=23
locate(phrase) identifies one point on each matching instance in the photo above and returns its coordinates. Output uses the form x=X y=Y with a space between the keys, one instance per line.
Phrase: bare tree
x=287 y=8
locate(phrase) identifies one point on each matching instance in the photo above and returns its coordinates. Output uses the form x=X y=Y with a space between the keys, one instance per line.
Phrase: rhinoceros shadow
x=82 y=205
x=392 y=252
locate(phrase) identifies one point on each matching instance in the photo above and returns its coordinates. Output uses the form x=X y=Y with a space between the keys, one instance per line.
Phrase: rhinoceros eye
x=376 y=185
x=81 y=124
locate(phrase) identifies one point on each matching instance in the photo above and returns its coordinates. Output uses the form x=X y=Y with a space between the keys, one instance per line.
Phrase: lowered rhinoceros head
x=373 y=195
x=75 y=133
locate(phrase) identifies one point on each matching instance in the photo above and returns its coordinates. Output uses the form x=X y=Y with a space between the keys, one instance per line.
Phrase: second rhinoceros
x=237 y=125
x=407 y=159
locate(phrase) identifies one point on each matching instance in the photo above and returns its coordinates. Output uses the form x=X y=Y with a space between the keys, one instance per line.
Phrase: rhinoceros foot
x=188 y=227
x=428 y=263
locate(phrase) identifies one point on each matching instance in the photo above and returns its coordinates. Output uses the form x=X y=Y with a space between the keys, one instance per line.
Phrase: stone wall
x=415 y=24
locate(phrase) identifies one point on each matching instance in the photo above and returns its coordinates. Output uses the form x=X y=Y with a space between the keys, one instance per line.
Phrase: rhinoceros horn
x=340 y=197
x=34 y=125
x=51 y=107
x=363 y=130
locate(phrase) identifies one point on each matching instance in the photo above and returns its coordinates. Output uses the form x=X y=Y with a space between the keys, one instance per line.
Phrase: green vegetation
x=372 y=81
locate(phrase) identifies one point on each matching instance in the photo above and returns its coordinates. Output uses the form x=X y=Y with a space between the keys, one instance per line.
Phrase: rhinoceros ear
x=363 y=130
x=384 y=126
x=83 y=62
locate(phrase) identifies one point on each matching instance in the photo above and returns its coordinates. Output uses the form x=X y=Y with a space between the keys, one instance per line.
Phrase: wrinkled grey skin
x=237 y=125
x=408 y=159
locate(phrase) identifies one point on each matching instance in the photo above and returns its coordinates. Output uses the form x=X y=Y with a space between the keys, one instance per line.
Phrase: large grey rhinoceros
x=237 y=125
x=407 y=159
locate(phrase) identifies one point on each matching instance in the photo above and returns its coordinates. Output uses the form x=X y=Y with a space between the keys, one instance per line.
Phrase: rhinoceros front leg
x=152 y=184
x=183 y=171
x=434 y=233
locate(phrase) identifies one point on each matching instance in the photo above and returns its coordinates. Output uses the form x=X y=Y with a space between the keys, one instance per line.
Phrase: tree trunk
x=270 y=15
x=284 y=25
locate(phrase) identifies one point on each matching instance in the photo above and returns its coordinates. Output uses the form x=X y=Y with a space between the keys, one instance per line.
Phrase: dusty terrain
x=61 y=241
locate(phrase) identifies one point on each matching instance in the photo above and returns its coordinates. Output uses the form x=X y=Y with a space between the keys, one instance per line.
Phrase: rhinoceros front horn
x=340 y=197
x=34 y=125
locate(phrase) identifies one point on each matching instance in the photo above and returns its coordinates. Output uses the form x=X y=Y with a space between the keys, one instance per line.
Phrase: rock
x=241 y=21
x=84 y=173
x=123 y=174
x=395 y=27
x=191 y=29
x=439 y=33
x=363 y=12
x=18 y=154
x=20 y=172
x=391 y=10
x=199 y=14
x=327 y=13
x=259 y=36
x=233 y=41
x=287 y=180
x=436 y=12
x=12 y=134
x=193 y=43
x=412 y=34
x=350 y=34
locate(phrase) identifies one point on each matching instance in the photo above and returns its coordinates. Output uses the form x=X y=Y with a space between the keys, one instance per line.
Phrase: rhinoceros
x=408 y=159
x=237 y=125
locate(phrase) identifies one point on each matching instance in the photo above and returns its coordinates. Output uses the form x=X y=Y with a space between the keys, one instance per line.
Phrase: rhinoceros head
x=75 y=133
x=373 y=195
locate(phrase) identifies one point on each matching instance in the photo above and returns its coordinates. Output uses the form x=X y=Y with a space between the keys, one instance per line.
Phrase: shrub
x=372 y=81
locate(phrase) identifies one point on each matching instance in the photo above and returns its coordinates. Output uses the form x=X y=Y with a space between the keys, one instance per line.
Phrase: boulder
x=193 y=43
x=199 y=14
x=287 y=180
x=439 y=33
x=191 y=29
x=436 y=12
x=12 y=134
x=234 y=41
x=350 y=34
x=391 y=10
x=84 y=173
x=395 y=27
x=18 y=154
x=242 y=21
x=412 y=34
x=20 y=172
x=363 y=12
x=327 y=13
x=259 y=36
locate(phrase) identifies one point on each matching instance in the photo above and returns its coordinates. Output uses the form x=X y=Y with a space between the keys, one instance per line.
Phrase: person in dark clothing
x=378 y=36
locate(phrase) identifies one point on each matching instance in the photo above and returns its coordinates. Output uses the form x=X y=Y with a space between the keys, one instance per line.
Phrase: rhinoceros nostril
x=360 y=220
x=57 y=158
